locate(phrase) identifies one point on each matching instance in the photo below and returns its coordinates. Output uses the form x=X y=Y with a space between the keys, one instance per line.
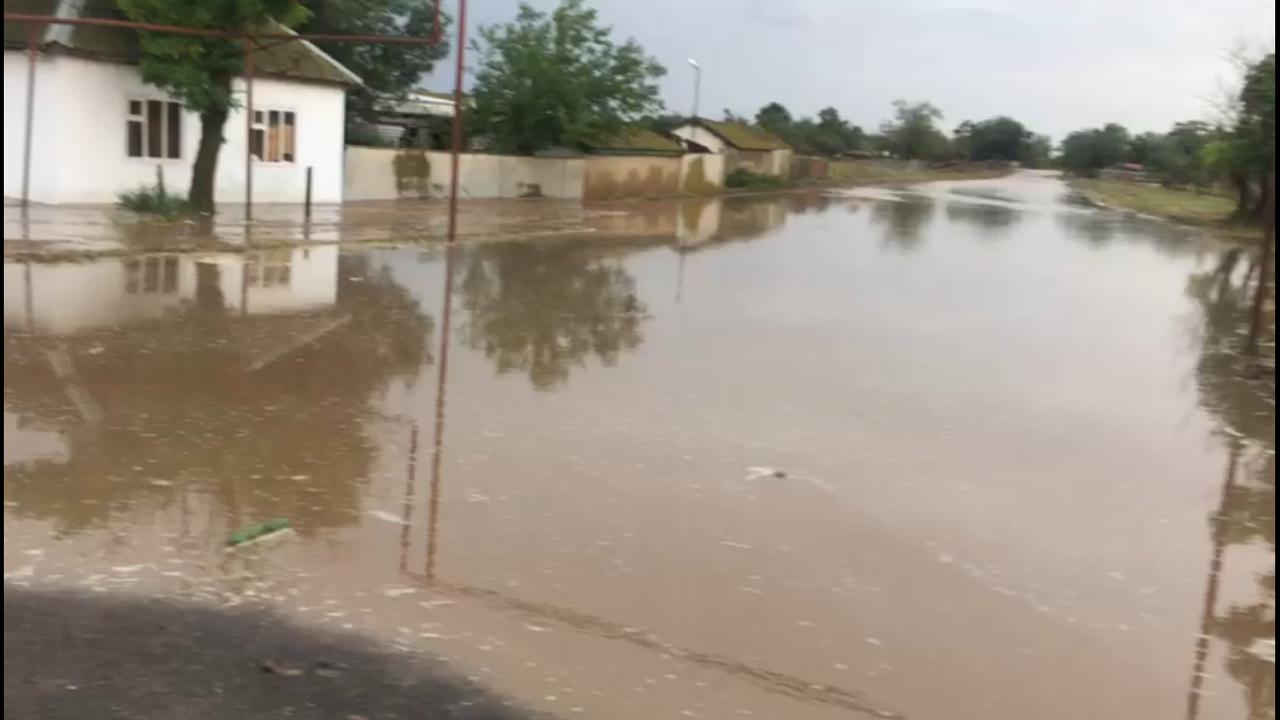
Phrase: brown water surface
x=960 y=451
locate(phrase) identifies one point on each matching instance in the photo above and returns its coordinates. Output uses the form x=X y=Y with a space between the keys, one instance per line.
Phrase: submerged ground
x=963 y=450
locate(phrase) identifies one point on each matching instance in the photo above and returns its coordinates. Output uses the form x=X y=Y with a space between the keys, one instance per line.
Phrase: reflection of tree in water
x=265 y=414
x=1243 y=402
x=903 y=221
x=542 y=309
x=1100 y=228
x=995 y=219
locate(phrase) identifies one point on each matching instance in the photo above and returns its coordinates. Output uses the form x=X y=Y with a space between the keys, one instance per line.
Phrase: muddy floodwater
x=961 y=451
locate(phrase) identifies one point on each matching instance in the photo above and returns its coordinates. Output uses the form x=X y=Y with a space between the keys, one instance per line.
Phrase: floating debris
x=386 y=516
x=259 y=532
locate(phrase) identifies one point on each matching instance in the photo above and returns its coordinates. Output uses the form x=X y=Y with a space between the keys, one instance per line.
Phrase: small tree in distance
x=558 y=79
x=913 y=134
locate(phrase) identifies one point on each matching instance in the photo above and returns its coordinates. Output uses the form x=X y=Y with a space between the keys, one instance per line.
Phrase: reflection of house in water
x=218 y=374
x=68 y=298
x=693 y=222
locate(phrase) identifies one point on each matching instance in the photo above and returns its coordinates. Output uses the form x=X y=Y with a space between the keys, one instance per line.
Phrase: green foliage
x=558 y=79
x=913 y=133
x=774 y=117
x=1085 y=152
x=1000 y=139
x=743 y=178
x=198 y=70
x=154 y=201
x=828 y=135
x=386 y=69
x=1193 y=152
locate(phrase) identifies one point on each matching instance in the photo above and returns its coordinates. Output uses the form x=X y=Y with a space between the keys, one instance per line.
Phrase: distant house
x=421 y=118
x=98 y=129
x=746 y=146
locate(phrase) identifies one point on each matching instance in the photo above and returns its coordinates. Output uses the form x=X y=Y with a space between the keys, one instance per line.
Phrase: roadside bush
x=154 y=201
x=743 y=178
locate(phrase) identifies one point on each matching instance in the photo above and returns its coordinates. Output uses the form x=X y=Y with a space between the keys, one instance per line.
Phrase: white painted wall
x=64 y=298
x=712 y=169
x=79 y=151
x=702 y=136
x=370 y=175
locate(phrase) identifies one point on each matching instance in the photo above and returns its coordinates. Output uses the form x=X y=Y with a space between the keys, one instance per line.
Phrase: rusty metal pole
x=1256 y=317
x=31 y=109
x=457 y=120
x=306 y=213
x=248 y=129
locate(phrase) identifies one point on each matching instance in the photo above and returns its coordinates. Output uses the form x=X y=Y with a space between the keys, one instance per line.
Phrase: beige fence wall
x=390 y=174
x=628 y=176
x=701 y=173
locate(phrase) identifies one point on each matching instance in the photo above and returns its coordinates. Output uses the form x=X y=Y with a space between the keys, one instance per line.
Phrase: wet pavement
x=964 y=450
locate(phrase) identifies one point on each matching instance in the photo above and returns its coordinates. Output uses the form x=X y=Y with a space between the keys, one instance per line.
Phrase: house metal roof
x=634 y=140
x=744 y=137
x=294 y=60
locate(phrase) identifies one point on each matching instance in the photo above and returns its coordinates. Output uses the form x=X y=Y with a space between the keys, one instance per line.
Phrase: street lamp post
x=697 y=85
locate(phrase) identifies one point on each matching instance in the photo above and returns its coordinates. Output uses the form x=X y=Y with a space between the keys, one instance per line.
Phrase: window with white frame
x=273 y=136
x=154 y=129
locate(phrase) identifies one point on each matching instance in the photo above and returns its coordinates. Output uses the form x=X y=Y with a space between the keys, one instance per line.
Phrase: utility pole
x=697 y=86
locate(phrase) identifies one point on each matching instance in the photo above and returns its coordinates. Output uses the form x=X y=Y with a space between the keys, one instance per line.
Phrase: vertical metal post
x=697 y=87
x=32 y=30
x=306 y=213
x=457 y=119
x=1264 y=264
x=248 y=129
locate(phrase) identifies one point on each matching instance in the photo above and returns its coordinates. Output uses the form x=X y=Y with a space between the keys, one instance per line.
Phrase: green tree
x=775 y=118
x=198 y=70
x=913 y=133
x=1085 y=152
x=1038 y=151
x=386 y=69
x=558 y=79
x=833 y=135
x=999 y=138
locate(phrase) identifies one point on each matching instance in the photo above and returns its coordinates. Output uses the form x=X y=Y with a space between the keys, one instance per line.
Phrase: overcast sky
x=1054 y=65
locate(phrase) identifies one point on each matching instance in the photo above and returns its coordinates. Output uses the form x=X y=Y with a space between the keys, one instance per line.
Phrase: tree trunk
x=1241 y=181
x=206 y=164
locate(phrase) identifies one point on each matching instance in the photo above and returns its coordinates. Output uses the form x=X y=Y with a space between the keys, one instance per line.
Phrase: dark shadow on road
x=69 y=655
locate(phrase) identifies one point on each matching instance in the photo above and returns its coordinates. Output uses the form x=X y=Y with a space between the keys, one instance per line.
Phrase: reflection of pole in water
x=679 y=277
x=1211 y=587
x=411 y=475
x=433 y=505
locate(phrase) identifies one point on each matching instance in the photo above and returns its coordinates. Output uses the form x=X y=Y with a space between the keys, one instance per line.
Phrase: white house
x=748 y=147
x=98 y=129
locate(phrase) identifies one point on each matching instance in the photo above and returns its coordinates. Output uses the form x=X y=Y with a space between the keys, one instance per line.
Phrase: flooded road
x=965 y=450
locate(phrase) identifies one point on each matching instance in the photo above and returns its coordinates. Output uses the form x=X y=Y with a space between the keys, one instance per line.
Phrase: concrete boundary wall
x=391 y=174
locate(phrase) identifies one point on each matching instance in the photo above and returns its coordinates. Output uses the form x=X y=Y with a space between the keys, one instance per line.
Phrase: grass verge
x=1207 y=210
